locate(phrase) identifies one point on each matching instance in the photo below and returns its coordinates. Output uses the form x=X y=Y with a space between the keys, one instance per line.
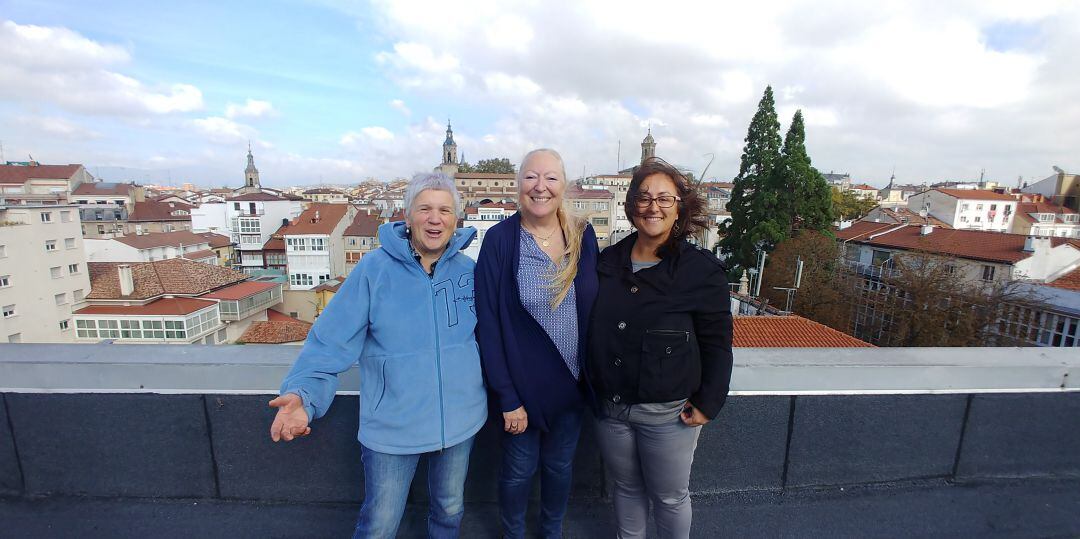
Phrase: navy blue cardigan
x=522 y=367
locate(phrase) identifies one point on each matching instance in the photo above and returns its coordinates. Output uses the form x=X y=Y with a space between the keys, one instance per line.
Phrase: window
x=963 y=207
x=9 y=311
x=3 y=251
x=249 y=226
x=55 y=272
x=73 y=269
x=599 y=221
x=82 y=201
x=14 y=338
x=1046 y=217
x=250 y=238
x=950 y=269
x=78 y=294
x=978 y=219
x=46 y=217
x=65 y=325
x=324 y=278
x=318 y=244
x=5 y=281
x=69 y=243
x=300 y=279
x=963 y=219
x=60 y=298
x=993 y=207
x=65 y=216
x=988 y=273
x=251 y=208
x=978 y=207
x=236 y=206
x=50 y=245
x=101 y=229
x=296 y=244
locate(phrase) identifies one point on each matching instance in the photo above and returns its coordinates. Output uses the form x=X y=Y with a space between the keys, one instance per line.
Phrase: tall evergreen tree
x=752 y=224
x=804 y=199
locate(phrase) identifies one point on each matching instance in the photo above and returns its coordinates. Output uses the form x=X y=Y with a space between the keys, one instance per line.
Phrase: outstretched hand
x=291 y=420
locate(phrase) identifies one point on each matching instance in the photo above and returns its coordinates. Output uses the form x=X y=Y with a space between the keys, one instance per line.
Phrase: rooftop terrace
x=161 y=441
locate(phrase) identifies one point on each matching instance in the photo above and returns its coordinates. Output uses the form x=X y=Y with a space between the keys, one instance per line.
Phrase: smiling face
x=432 y=221
x=540 y=190
x=654 y=222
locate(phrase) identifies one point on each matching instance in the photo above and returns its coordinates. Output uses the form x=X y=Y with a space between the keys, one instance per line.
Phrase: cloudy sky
x=330 y=91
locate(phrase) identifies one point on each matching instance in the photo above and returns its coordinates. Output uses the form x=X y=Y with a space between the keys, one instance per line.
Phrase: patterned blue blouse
x=534 y=285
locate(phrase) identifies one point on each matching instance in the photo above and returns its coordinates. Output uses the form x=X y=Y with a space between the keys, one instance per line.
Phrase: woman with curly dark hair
x=659 y=351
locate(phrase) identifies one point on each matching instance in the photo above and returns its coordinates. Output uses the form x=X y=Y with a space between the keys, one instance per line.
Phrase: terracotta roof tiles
x=329 y=215
x=159 y=211
x=363 y=225
x=177 y=276
x=22 y=173
x=790 y=331
x=162 y=239
x=161 y=307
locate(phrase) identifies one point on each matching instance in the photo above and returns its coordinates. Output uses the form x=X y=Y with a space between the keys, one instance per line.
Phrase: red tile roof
x=1025 y=209
x=103 y=189
x=162 y=239
x=790 y=331
x=1069 y=281
x=330 y=286
x=912 y=218
x=240 y=291
x=863 y=187
x=976 y=194
x=215 y=240
x=197 y=255
x=175 y=276
x=21 y=173
x=971 y=244
x=364 y=225
x=161 y=307
x=159 y=211
x=576 y=192
x=862 y=229
x=277 y=329
x=323 y=191
x=329 y=215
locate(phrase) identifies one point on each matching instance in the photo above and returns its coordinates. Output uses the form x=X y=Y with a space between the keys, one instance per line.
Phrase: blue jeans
x=386 y=489
x=553 y=453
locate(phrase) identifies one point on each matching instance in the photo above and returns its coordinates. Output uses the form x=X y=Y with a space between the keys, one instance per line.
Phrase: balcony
x=143 y=440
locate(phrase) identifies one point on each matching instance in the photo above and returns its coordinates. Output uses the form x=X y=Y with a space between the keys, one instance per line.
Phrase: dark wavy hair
x=692 y=206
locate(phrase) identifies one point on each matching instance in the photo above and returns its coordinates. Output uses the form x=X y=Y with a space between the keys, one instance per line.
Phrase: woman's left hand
x=691 y=416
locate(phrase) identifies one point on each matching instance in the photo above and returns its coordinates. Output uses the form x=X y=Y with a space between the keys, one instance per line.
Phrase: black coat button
x=618 y=362
x=622 y=325
x=616 y=398
x=634 y=289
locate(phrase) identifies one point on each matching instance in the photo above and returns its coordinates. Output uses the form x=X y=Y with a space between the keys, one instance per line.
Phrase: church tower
x=449 y=147
x=449 y=165
x=648 y=147
x=251 y=174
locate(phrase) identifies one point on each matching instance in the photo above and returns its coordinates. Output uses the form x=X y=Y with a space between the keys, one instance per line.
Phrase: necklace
x=544 y=240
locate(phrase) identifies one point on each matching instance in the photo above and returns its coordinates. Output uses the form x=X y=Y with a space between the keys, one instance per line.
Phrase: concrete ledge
x=1022 y=435
x=123 y=445
x=840 y=440
x=79 y=368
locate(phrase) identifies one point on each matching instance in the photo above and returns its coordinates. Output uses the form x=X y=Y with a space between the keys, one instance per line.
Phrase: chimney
x=1035 y=244
x=127 y=280
x=925 y=230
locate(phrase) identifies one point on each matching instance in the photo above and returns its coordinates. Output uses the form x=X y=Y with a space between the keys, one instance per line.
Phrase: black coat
x=663 y=333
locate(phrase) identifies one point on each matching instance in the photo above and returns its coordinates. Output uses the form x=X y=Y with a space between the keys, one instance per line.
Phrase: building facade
x=971 y=209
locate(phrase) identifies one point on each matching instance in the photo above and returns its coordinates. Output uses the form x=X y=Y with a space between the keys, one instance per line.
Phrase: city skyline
x=333 y=92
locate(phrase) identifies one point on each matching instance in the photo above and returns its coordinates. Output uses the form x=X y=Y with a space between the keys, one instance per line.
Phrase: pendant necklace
x=544 y=240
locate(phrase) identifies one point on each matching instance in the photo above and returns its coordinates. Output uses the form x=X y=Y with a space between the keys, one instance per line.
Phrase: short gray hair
x=431 y=180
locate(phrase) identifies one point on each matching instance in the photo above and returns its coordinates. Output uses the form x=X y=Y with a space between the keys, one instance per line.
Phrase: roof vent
x=127 y=280
x=925 y=230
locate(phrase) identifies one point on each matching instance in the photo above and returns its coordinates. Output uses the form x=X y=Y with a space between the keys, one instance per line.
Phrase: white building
x=618 y=185
x=43 y=274
x=315 y=245
x=151 y=247
x=973 y=209
x=482 y=218
x=252 y=219
x=1040 y=218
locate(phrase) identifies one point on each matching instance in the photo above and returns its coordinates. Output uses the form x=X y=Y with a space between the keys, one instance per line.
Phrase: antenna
x=618 y=158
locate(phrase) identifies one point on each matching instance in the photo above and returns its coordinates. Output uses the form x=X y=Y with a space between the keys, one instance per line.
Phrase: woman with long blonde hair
x=535 y=286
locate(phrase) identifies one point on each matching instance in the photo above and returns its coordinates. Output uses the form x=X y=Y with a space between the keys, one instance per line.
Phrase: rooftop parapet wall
x=192 y=422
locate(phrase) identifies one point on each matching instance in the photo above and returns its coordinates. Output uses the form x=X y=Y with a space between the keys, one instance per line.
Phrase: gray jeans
x=647 y=461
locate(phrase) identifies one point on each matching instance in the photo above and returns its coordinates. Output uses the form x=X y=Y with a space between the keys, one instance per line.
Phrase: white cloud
x=252 y=108
x=58 y=66
x=56 y=126
x=514 y=86
x=223 y=130
x=400 y=106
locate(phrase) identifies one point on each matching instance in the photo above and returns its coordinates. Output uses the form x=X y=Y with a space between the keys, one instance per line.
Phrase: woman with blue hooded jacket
x=406 y=314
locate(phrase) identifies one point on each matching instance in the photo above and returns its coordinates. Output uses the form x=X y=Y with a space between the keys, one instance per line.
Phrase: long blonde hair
x=573 y=229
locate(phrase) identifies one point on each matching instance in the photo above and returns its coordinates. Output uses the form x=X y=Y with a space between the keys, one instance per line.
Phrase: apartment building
x=104 y=207
x=33 y=183
x=43 y=274
x=618 y=185
x=315 y=246
x=159 y=216
x=973 y=209
x=151 y=247
x=249 y=220
x=1035 y=216
x=482 y=217
x=478 y=187
x=325 y=195
x=597 y=206
x=361 y=237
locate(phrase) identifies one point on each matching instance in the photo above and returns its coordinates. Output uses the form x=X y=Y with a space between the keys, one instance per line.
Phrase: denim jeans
x=386 y=489
x=553 y=453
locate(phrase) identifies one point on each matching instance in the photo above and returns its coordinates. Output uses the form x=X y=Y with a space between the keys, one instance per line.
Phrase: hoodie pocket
x=372 y=382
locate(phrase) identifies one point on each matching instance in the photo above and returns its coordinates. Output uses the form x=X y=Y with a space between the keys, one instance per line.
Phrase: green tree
x=752 y=225
x=465 y=167
x=846 y=205
x=495 y=166
x=802 y=192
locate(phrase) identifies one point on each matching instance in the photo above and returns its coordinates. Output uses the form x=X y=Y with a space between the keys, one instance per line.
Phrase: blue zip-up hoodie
x=421 y=388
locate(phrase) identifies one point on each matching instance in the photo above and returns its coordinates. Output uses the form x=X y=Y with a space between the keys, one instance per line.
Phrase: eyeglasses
x=663 y=201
